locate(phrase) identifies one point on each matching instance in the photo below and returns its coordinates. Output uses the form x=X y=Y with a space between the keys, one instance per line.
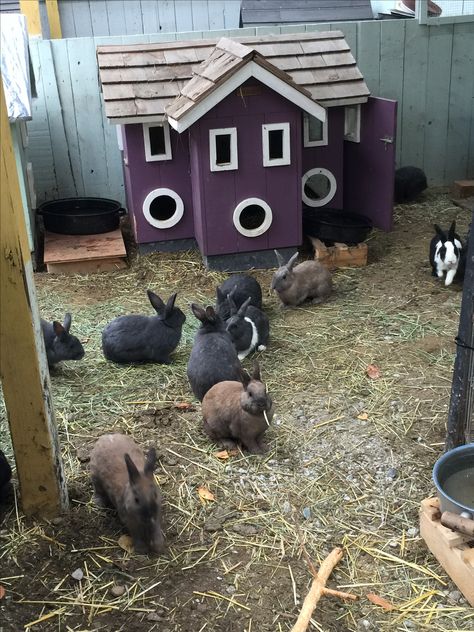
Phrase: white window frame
x=167 y=223
x=264 y=226
x=332 y=187
x=349 y=135
x=314 y=143
x=276 y=162
x=149 y=157
x=234 y=154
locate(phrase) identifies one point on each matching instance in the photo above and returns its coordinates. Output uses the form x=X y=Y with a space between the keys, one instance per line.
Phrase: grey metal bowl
x=450 y=463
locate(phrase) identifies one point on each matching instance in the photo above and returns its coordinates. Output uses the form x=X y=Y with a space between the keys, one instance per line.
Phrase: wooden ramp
x=340 y=255
x=454 y=551
x=84 y=254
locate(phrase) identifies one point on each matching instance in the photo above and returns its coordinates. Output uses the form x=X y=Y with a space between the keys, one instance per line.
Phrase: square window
x=157 y=141
x=276 y=144
x=223 y=154
x=315 y=132
x=352 y=123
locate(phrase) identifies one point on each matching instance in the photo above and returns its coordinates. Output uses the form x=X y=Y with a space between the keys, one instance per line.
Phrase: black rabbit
x=242 y=286
x=409 y=183
x=135 y=339
x=59 y=343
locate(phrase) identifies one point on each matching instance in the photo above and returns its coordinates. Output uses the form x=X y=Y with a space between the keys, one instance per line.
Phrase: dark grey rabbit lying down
x=59 y=343
x=134 y=339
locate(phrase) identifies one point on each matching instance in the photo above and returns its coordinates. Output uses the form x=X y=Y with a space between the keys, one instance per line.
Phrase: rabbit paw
x=261 y=348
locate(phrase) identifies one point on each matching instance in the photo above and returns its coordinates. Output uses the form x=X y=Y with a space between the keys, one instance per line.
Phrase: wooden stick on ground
x=457 y=523
x=317 y=590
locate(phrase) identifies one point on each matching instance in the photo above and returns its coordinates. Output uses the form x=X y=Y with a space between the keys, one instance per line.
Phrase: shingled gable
x=226 y=68
x=140 y=81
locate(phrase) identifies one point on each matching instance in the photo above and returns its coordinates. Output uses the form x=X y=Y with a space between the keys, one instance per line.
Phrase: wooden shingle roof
x=141 y=81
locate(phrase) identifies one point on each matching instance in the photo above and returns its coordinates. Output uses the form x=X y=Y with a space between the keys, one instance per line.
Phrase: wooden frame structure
x=23 y=366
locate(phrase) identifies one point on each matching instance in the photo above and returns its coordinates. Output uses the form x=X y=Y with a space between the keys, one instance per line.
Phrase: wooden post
x=31 y=10
x=53 y=19
x=23 y=366
x=461 y=407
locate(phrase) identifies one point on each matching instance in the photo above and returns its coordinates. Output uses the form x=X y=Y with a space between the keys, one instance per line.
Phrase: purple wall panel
x=145 y=176
x=200 y=220
x=278 y=186
x=331 y=156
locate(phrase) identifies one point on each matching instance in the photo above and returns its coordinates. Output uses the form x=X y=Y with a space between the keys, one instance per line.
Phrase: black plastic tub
x=81 y=215
x=331 y=225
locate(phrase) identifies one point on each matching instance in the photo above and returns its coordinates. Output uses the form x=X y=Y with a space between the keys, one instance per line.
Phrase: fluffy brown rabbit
x=235 y=412
x=123 y=478
x=295 y=284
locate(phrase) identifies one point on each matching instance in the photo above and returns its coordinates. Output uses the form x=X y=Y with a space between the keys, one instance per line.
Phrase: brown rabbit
x=234 y=412
x=123 y=478
x=296 y=284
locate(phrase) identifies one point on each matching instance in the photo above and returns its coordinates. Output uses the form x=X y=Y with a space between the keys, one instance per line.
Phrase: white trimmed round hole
x=252 y=217
x=163 y=208
x=319 y=187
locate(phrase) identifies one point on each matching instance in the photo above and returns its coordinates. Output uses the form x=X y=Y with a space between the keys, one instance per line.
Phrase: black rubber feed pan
x=81 y=215
x=333 y=225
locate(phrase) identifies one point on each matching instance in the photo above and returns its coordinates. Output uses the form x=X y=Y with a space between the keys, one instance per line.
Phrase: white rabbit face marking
x=447 y=255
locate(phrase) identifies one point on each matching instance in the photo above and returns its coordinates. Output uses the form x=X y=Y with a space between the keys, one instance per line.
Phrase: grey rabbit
x=213 y=357
x=409 y=183
x=238 y=412
x=294 y=284
x=248 y=327
x=242 y=286
x=134 y=338
x=59 y=343
x=123 y=478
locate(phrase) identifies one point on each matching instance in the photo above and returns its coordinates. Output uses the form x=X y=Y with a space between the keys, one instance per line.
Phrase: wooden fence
x=428 y=69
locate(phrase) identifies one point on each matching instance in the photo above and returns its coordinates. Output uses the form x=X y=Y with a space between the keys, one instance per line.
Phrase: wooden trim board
x=451 y=549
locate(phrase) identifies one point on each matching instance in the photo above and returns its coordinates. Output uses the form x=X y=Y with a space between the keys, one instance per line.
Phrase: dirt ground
x=350 y=459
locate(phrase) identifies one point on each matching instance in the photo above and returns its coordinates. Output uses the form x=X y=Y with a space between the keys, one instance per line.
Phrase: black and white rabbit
x=446 y=253
x=242 y=286
x=59 y=343
x=213 y=357
x=134 y=339
x=5 y=473
x=248 y=326
x=409 y=183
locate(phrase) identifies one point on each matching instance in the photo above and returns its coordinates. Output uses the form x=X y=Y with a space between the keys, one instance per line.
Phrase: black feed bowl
x=331 y=225
x=81 y=215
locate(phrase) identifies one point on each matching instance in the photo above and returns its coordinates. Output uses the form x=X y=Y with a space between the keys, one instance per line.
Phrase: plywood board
x=73 y=248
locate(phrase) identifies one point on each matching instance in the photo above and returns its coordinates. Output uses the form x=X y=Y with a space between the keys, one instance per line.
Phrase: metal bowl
x=454 y=463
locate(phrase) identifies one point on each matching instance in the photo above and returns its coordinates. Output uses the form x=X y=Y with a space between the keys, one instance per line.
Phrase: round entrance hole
x=252 y=217
x=163 y=208
x=319 y=187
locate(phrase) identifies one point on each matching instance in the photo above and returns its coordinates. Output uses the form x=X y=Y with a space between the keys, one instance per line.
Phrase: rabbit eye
x=137 y=500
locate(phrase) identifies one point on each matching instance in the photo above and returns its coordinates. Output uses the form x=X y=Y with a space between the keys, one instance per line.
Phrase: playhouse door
x=369 y=166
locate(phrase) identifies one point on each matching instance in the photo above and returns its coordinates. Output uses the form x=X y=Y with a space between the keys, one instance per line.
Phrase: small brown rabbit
x=296 y=284
x=234 y=412
x=123 y=478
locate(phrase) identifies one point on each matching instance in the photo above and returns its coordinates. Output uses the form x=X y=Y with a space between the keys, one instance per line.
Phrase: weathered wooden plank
x=133 y=17
x=67 y=18
x=437 y=105
x=72 y=248
x=149 y=16
x=184 y=16
x=82 y=18
x=414 y=93
x=392 y=44
x=200 y=15
x=368 y=54
x=166 y=16
x=231 y=14
x=115 y=18
x=460 y=102
x=99 y=18
x=132 y=75
x=216 y=15
x=23 y=359
x=145 y=90
x=62 y=166
x=349 y=30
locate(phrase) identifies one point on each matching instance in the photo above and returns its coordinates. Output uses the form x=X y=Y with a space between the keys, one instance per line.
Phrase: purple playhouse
x=225 y=141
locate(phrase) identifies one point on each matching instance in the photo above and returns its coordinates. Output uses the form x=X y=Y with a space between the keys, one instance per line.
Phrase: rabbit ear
x=170 y=304
x=133 y=473
x=440 y=232
x=232 y=305
x=210 y=313
x=156 y=302
x=243 y=307
x=245 y=377
x=452 y=230
x=150 y=462
x=281 y=261
x=292 y=261
x=220 y=295
x=256 y=371
x=58 y=329
x=198 y=311
x=67 y=322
